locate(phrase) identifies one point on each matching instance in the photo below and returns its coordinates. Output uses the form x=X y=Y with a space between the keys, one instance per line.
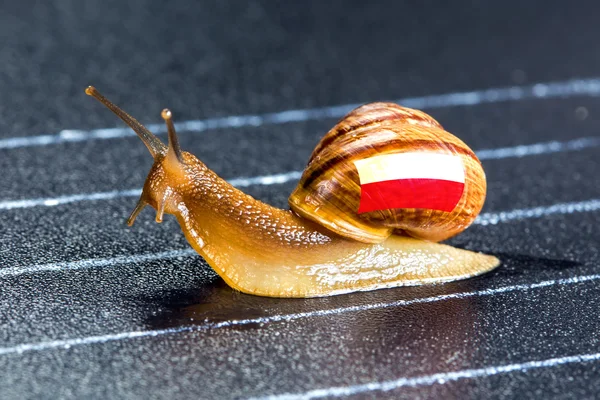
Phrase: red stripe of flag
x=432 y=194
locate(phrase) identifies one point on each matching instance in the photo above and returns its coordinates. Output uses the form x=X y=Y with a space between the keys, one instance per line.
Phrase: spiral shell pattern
x=329 y=191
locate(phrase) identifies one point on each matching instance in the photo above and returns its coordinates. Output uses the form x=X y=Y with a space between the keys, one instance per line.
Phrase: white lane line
x=483 y=219
x=56 y=201
x=428 y=380
x=574 y=87
x=96 y=262
x=67 y=343
x=487 y=154
x=534 y=149
x=274 y=179
x=538 y=212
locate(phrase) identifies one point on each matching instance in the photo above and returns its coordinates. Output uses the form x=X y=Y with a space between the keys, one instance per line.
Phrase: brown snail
x=380 y=189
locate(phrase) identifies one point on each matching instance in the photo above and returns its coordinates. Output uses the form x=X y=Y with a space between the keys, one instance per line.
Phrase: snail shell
x=330 y=190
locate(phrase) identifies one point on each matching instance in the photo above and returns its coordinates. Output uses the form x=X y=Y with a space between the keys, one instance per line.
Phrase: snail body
x=262 y=250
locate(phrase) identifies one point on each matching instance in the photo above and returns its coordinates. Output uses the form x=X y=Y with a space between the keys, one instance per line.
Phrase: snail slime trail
x=380 y=189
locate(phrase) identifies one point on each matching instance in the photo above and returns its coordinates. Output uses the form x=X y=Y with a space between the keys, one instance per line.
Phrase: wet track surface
x=90 y=308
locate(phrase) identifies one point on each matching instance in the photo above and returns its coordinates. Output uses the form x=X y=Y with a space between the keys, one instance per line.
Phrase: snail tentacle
x=154 y=145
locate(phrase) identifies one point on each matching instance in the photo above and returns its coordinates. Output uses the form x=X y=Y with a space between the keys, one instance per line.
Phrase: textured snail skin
x=259 y=249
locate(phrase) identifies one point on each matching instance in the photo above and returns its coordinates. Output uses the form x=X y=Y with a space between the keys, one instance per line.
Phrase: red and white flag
x=410 y=180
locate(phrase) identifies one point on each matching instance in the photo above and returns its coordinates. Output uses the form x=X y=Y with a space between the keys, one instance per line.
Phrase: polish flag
x=410 y=180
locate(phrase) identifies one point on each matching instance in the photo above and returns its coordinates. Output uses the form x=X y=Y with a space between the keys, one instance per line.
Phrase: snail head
x=171 y=165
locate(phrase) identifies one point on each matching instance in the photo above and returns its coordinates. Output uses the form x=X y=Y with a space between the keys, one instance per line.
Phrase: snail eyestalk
x=174 y=148
x=154 y=145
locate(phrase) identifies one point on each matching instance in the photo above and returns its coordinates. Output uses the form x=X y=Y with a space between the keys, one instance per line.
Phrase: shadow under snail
x=380 y=189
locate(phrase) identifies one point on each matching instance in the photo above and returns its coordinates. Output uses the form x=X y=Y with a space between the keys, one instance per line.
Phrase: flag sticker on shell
x=431 y=181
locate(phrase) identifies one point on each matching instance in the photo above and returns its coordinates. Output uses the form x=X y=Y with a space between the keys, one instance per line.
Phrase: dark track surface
x=68 y=330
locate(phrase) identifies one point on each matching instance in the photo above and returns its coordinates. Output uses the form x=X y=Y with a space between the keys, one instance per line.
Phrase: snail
x=380 y=190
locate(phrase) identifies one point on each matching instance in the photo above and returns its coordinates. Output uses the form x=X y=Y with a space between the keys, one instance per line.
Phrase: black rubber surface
x=113 y=326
